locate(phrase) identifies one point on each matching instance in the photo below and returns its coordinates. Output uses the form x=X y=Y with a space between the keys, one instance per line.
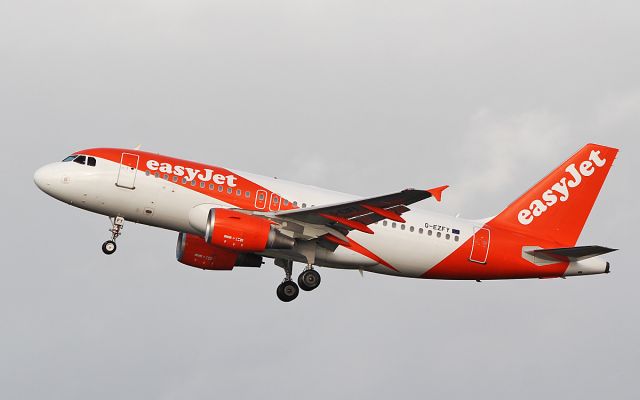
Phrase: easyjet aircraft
x=227 y=218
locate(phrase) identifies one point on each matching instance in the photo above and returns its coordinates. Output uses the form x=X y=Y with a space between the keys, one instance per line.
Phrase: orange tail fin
x=558 y=206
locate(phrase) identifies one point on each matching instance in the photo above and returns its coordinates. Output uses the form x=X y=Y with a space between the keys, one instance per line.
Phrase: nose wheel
x=109 y=247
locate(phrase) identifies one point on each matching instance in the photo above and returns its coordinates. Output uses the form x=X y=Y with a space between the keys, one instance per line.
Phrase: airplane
x=227 y=218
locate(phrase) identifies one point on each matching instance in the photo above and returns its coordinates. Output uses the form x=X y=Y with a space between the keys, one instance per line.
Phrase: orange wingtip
x=437 y=192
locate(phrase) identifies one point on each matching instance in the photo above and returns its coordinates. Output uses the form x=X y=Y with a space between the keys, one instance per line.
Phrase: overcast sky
x=365 y=97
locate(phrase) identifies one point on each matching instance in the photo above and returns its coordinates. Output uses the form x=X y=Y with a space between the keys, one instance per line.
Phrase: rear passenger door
x=480 y=246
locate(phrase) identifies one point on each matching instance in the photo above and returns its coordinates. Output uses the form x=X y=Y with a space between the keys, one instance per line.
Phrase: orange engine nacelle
x=192 y=250
x=240 y=232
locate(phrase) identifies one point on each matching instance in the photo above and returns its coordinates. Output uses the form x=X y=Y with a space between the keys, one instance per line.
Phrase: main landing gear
x=109 y=247
x=287 y=290
x=308 y=280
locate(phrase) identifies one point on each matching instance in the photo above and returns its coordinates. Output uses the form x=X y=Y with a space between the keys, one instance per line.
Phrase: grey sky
x=360 y=96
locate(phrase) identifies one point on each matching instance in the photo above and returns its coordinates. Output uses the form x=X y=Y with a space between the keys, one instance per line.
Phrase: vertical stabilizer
x=558 y=206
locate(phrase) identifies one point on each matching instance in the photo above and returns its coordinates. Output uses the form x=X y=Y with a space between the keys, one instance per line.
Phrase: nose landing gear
x=109 y=247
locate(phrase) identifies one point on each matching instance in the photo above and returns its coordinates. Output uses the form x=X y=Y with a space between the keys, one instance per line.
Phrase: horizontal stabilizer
x=571 y=253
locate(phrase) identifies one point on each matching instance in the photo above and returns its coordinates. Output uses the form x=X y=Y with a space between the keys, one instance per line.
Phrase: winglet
x=437 y=192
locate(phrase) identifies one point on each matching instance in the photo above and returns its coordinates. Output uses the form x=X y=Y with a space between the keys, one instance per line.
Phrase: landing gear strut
x=309 y=279
x=109 y=247
x=287 y=290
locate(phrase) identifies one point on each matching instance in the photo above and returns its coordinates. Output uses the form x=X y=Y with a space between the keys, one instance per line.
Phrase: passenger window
x=165 y=177
x=429 y=232
x=421 y=231
x=456 y=238
x=261 y=196
x=157 y=174
x=411 y=228
x=393 y=224
x=147 y=173
x=247 y=194
x=229 y=190
x=220 y=188
x=295 y=204
x=275 y=200
x=304 y=205
x=239 y=192
x=285 y=202
x=439 y=234
x=80 y=159
x=384 y=223
x=91 y=162
x=70 y=158
x=193 y=183
x=448 y=236
x=175 y=179
x=184 y=181
x=402 y=226
x=202 y=185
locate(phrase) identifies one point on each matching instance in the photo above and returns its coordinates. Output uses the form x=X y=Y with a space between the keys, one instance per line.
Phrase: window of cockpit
x=91 y=162
x=70 y=158
x=80 y=160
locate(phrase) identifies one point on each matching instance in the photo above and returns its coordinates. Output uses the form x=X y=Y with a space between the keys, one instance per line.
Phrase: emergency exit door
x=480 y=246
x=128 y=170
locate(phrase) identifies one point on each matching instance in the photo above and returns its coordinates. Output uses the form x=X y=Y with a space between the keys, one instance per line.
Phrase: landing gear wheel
x=287 y=291
x=109 y=247
x=309 y=280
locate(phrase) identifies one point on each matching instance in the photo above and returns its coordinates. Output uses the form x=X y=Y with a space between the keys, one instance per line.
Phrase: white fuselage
x=412 y=248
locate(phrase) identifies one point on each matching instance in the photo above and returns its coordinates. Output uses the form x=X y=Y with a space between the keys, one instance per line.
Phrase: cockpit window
x=80 y=159
x=70 y=158
x=91 y=162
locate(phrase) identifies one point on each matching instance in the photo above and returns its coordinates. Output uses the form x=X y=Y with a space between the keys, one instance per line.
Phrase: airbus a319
x=227 y=218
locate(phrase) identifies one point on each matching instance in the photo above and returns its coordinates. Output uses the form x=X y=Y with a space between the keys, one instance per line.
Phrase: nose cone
x=44 y=178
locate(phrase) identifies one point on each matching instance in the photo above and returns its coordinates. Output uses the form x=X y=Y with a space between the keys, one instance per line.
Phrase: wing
x=338 y=219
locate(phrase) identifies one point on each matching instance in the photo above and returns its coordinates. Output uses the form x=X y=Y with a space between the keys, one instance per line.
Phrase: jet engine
x=192 y=250
x=240 y=232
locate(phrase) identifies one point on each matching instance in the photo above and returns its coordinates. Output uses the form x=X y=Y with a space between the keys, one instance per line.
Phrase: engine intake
x=243 y=232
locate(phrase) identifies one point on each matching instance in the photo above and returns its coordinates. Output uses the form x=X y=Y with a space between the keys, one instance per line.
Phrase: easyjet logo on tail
x=561 y=190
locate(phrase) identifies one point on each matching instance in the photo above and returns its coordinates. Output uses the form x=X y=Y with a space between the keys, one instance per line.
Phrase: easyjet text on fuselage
x=191 y=174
